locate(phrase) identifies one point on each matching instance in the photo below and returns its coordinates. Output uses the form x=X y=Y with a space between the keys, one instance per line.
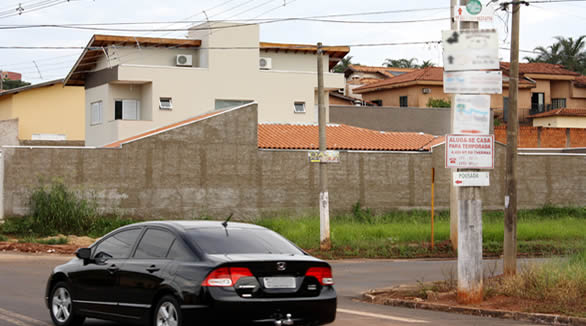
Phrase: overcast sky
x=540 y=23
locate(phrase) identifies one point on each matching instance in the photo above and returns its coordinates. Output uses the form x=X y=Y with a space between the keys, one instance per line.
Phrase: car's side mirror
x=83 y=253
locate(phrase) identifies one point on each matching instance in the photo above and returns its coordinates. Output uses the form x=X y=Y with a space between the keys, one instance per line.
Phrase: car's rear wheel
x=61 y=307
x=168 y=312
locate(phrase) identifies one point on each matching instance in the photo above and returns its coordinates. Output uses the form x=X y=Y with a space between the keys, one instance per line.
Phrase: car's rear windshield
x=241 y=241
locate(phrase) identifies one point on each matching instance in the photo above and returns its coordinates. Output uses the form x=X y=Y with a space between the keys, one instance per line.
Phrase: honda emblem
x=281 y=266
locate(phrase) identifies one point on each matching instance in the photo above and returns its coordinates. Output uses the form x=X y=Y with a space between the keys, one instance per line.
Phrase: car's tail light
x=322 y=274
x=226 y=276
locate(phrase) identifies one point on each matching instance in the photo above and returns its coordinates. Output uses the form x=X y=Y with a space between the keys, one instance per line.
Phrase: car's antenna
x=225 y=223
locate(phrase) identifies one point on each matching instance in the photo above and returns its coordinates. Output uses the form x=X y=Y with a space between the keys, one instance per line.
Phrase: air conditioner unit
x=426 y=91
x=184 y=60
x=265 y=63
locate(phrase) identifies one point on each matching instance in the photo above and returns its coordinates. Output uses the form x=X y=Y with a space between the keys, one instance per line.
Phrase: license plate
x=279 y=282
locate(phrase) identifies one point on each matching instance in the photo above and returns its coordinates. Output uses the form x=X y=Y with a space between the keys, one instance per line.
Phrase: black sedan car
x=192 y=273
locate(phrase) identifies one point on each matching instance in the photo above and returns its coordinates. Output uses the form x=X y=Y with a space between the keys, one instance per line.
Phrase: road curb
x=545 y=319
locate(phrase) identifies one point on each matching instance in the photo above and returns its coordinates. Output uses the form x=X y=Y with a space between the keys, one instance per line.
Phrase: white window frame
x=165 y=107
x=295 y=107
x=126 y=100
x=98 y=117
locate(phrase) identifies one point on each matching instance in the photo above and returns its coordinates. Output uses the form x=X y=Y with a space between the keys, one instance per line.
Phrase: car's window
x=154 y=244
x=118 y=245
x=241 y=241
x=178 y=252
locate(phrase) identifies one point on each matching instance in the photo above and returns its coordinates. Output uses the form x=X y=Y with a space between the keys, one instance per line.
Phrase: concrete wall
x=9 y=132
x=213 y=167
x=560 y=122
x=435 y=121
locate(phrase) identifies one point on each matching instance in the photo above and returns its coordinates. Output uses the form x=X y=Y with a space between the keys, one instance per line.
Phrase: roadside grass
x=556 y=286
x=49 y=241
x=541 y=232
x=3 y=238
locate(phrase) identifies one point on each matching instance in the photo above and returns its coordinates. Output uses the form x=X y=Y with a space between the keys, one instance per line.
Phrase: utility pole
x=510 y=239
x=454 y=191
x=324 y=202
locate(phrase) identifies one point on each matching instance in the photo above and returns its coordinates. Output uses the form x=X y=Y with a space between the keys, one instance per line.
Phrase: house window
x=227 y=104
x=96 y=113
x=537 y=103
x=403 y=101
x=299 y=107
x=126 y=110
x=165 y=103
x=377 y=102
x=558 y=103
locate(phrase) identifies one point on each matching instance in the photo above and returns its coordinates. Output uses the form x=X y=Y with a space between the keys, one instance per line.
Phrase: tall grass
x=559 y=284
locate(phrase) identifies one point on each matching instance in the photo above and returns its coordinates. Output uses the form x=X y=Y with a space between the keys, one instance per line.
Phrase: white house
x=136 y=84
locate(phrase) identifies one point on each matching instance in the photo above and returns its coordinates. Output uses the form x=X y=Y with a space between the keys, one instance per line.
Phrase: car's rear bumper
x=234 y=309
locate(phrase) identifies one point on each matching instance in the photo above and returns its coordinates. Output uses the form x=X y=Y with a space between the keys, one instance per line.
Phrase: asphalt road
x=23 y=277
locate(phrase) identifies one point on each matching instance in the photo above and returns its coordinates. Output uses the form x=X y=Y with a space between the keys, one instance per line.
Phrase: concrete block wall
x=213 y=167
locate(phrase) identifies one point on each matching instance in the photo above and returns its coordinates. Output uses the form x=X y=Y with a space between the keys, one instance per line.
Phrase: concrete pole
x=470 y=277
x=510 y=238
x=454 y=193
x=324 y=202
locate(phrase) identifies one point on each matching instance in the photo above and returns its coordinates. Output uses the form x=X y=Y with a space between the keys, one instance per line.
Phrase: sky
x=540 y=23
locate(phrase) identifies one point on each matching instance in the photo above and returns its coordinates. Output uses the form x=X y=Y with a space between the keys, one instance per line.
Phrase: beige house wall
x=560 y=122
x=578 y=93
x=47 y=110
x=229 y=70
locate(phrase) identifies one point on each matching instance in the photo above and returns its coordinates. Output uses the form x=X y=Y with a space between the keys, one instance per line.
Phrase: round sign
x=474 y=7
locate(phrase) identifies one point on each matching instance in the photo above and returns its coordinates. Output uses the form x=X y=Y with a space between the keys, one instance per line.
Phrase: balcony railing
x=539 y=108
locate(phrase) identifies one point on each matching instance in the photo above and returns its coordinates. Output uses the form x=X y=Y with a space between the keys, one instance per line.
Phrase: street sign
x=324 y=157
x=475 y=11
x=471 y=179
x=473 y=82
x=470 y=152
x=470 y=50
x=471 y=114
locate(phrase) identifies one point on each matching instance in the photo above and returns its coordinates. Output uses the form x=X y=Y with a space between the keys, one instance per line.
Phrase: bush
x=55 y=208
x=438 y=103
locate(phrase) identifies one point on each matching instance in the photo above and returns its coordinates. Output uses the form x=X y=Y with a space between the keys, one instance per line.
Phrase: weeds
x=48 y=241
x=3 y=238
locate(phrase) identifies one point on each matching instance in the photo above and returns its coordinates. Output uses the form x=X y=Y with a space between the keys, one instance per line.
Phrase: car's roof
x=188 y=225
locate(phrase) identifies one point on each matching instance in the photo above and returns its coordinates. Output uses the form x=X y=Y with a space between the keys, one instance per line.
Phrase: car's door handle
x=113 y=269
x=153 y=269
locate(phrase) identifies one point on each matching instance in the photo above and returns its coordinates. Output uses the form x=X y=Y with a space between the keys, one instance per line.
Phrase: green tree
x=10 y=84
x=343 y=64
x=426 y=64
x=400 y=63
x=438 y=103
x=568 y=52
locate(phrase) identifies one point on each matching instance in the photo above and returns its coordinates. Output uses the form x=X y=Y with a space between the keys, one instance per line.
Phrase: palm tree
x=343 y=64
x=400 y=63
x=568 y=52
x=426 y=64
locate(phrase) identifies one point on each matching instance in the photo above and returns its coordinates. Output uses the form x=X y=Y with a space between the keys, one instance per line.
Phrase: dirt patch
x=66 y=249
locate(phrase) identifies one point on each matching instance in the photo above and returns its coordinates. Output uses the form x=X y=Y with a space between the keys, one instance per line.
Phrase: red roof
x=540 y=68
x=340 y=137
x=385 y=71
x=561 y=113
x=426 y=74
x=580 y=82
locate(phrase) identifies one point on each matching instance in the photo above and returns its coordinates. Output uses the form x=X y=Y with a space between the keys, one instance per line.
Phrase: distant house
x=542 y=87
x=136 y=84
x=560 y=118
x=337 y=98
x=358 y=76
x=10 y=75
x=45 y=112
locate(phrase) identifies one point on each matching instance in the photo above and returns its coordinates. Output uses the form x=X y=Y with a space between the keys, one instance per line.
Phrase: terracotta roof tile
x=540 y=68
x=561 y=113
x=426 y=74
x=339 y=137
x=386 y=71
x=580 y=82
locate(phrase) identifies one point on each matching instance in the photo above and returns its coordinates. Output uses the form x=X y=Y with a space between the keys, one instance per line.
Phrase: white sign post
x=470 y=50
x=471 y=179
x=470 y=152
x=473 y=82
x=472 y=114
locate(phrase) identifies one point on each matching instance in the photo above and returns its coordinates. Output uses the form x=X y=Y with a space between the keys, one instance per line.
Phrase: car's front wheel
x=168 y=312
x=61 y=307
